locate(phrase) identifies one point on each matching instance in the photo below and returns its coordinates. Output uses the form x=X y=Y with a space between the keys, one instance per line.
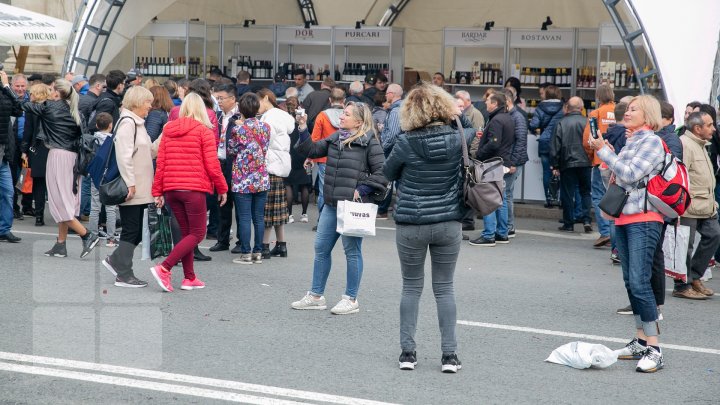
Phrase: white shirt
x=222 y=153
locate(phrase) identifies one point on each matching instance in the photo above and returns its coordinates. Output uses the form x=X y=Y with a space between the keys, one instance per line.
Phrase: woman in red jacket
x=187 y=169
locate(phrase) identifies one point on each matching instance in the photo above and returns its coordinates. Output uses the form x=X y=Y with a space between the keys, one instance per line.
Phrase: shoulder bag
x=483 y=183
x=614 y=200
x=115 y=191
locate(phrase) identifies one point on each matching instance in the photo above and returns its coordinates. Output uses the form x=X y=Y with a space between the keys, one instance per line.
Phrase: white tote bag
x=356 y=219
x=675 y=247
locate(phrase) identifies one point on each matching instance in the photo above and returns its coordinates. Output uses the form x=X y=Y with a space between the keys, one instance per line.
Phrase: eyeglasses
x=221 y=99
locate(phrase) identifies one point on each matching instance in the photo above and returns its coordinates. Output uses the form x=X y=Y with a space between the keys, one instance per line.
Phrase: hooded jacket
x=187 y=159
x=278 y=154
x=547 y=114
x=702 y=181
x=348 y=166
x=427 y=161
x=326 y=124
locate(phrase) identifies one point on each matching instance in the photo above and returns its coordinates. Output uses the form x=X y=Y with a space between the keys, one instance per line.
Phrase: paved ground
x=238 y=340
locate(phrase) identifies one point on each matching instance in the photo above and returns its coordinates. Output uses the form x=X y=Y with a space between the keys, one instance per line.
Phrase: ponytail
x=74 y=103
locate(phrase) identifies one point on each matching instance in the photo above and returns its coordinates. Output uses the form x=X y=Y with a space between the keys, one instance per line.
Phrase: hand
x=308 y=164
x=556 y=172
x=159 y=201
x=302 y=121
x=479 y=134
x=131 y=193
x=356 y=196
x=4 y=77
x=222 y=198
x=24 y=157
x=596 y=144
x=513 y=169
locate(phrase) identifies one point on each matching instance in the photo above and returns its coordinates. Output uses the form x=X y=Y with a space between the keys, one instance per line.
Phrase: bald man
x=569 y=160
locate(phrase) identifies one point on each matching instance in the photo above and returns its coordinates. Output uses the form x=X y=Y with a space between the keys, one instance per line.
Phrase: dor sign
x=20 y=27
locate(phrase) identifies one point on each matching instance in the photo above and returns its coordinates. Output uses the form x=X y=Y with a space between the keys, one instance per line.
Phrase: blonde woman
x=35 y=151
x=135 y=153
x=187 y=169
x=353 y=171
x=637 y=229
x=61 y=120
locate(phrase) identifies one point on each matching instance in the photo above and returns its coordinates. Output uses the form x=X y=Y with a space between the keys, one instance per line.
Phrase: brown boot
x=698 y=286
x=690 y=294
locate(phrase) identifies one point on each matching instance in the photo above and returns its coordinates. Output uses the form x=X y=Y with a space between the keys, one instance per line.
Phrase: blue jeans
x=321 y=185
x=497 y=222
x=325 y=240
x=547 y=174
x=598 y=191
x=636 y=244
x=6 y=198
x=250 y=208
x=510 y=179
x=85 y=196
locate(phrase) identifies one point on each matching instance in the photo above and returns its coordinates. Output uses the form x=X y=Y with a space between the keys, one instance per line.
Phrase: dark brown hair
x=262 y=93
x=161 y=99
x=249 y=105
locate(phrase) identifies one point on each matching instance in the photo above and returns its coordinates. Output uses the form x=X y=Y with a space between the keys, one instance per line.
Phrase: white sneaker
x=632 y=351
x=651 y=361
x=291 y=219
x=345 y=306
x=244 y=259
x=309 y=301
x=304 y=218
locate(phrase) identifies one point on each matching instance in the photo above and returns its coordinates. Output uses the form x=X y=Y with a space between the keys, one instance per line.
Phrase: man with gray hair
x=472 y=113
x=569 y=160
x=388 y=136
x=355 y=94
x=701 y=215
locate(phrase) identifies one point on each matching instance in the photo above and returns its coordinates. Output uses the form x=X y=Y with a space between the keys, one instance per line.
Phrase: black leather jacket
x=9 y=106
x=61 y=130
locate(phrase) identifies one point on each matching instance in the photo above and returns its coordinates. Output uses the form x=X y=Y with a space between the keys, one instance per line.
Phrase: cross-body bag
x=483 y=183
x=115 y=191
x=614 y=200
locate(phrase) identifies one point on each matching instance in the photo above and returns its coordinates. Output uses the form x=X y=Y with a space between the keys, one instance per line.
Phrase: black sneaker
x=625 y=311
x=502 y=239
x=236 y=250
x=483 y=242
x=408 y=360
x=566 y=229
x=219 y=247
x=9 y=237
x=130 y=282
x=587 y=228
x=58 y=250
x=39 y=222
x=450 y=363
x=89 y=241
x=511 y=233
x=200 y=257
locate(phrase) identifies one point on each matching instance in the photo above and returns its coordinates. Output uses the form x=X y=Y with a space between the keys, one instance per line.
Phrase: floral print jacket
x=248 y=147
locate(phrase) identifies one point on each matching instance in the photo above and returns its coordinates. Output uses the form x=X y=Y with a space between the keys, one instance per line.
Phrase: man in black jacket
x=109 y=101
x=9 y=106
x=497 y=141
x=569 y=160
x=88 y=100
x=318 y=101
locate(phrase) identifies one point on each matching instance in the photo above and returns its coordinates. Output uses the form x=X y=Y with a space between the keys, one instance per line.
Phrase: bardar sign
x=20 y=27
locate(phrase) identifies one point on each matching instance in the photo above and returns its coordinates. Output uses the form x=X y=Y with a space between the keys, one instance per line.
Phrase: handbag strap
x=466 y=158
x=112 y=147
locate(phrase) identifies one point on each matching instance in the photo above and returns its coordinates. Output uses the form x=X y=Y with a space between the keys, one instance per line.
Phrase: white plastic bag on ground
x=583 y=355
x=675 y=247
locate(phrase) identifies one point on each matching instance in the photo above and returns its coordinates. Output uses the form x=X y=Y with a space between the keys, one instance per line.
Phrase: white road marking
x=581 y=336
x=187 y=379
x=147 y=385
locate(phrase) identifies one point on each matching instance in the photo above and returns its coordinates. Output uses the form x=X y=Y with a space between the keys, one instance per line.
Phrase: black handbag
x=614 y=200
x=115 y=191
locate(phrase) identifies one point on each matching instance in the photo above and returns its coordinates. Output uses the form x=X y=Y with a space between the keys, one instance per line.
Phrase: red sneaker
x=162 y=277
x=191 y=285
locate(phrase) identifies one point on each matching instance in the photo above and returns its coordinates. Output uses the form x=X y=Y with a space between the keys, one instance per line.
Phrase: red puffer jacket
x=187 y=159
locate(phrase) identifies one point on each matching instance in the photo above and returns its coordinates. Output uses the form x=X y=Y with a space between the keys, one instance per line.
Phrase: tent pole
x=21 y=59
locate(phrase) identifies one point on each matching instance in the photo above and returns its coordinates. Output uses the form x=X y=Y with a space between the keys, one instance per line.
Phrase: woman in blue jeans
x=427 y=163
x=248 y=147
x=637 y=229
x=353 y=171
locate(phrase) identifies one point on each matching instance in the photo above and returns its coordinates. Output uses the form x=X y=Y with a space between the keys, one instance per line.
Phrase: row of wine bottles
x=161 y=66
x=258 y=69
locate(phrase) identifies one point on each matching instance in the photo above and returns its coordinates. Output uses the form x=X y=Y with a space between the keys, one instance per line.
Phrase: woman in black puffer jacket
x=353 y=170
x=427 y=163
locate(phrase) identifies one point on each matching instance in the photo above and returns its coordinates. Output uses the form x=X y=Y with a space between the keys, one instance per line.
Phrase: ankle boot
x=265 y=251
x=200 y=257
x=280 y=250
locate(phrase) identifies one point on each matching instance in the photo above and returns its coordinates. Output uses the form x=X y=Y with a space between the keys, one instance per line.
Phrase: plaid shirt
x=642 y=156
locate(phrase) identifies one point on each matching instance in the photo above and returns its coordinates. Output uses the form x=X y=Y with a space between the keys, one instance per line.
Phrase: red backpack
x=669 y=190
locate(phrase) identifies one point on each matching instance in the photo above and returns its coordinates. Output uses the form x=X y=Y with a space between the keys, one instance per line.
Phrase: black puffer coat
x=348 y=166
x=428 y=163
x=9 y=106
x=60 y=129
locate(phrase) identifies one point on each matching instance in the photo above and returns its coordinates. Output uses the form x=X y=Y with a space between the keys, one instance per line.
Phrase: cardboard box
x=412 y=77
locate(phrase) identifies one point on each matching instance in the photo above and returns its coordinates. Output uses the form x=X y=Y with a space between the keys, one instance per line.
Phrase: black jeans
x=226 y=216
x=570 y=179
x=697 y=261
x=130 y=237
x=39 y=192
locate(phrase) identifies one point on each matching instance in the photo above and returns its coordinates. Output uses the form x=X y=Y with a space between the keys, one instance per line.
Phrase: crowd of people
x=203 y=148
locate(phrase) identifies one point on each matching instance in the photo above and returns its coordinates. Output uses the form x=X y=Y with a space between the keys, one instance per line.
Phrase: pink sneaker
x=191 y=285
x=162 y=277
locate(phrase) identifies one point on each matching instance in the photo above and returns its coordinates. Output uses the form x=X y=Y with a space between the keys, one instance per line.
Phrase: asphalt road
x=238 y=339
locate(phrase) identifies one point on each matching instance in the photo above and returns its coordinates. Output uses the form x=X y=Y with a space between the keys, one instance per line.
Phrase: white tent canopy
x=20 y=27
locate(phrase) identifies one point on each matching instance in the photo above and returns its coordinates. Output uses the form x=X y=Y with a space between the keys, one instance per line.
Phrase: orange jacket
x=323 y=128
x=605 y=115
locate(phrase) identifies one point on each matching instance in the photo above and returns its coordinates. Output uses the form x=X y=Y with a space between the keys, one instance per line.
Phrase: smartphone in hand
x=594 y=127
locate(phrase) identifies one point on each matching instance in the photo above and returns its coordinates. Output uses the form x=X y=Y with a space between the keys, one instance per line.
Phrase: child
x=104 y=125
